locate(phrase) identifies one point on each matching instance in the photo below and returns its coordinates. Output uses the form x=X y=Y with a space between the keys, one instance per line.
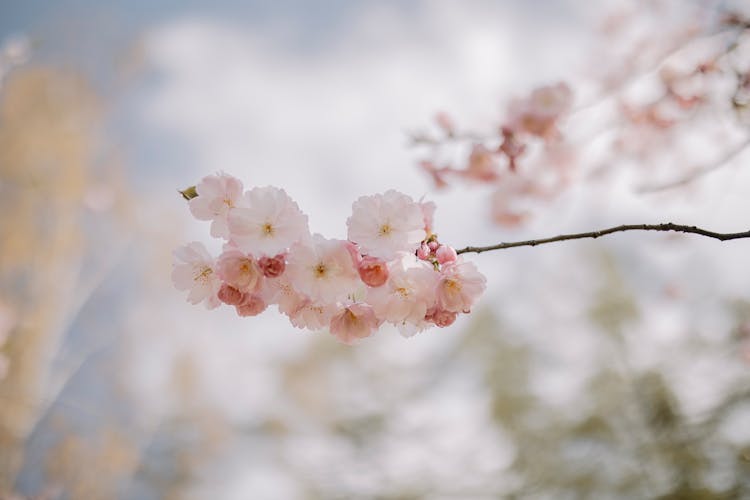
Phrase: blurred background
x=615 y=368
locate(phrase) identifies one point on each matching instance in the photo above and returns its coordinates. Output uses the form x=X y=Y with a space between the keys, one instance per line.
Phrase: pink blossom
x=322 y=269
x=482 y=164
x=438 y=174
x=551 y=100
x=217 y=196
x=269 y=224
x=424 y=252
x=312 y=315
x=441 y=317
x=230 y=295
x=459 y=286
x=511 y=147
x=384 y=224
x=194 y=270
x=354 y=322
x=252 y=305
x=239 y=270
x=409 y=292
x=537 y=115
x=272 y=267
x=445 y=254
x=373 y=271
x=354 y=253
x=281 y=292
x=428 y=214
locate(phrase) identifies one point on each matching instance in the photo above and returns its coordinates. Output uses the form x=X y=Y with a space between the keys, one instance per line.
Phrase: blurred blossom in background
x=615 y=368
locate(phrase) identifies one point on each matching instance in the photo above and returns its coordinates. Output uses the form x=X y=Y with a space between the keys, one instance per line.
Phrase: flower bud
x=272 y=267
x=446 y=254
x=423 y=252
x=373 y=271
x=230 y=295
x=443 y=318
x=252 y=306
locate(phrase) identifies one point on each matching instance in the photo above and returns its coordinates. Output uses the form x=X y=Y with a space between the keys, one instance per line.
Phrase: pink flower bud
x=433 y=245
x=272 y=267
x=446 y=254
x=252 y=306
x=230 y=295
x=423 y=252
x=373 y=271
x=443 y=318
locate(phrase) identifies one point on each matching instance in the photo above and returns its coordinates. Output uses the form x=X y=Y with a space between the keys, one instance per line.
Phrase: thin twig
x=603 y=232
x=706 y=169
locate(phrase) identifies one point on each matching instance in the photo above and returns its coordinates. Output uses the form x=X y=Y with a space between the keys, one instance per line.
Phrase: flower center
x=267 y=229
x=385 y=230
x=351 y=320
x=320 y=270
x=452 y=286
x=202 y=275
x=402 y=291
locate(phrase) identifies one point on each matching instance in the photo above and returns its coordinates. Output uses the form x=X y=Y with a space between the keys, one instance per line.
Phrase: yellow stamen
x=203 y=275
x=452 y=285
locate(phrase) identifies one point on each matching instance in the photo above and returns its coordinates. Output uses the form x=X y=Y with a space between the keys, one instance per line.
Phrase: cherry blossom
x=270 y=222
x=459 y=287
x=239 y=270
x=252 y=305
x=408 y=293
x=391 y=269
x=217 y=195
x=384 y=224
x=373 y=271
x=230 y=295
x=441 y=317
x=272 y=267
x=280 y=291
x=195 y=271
x=312 y=315
x=354 y=322
x=322 y=269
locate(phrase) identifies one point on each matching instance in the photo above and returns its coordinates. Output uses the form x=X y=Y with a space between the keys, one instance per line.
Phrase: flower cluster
x=531 y=123
x=645 y=113
x=391 y=269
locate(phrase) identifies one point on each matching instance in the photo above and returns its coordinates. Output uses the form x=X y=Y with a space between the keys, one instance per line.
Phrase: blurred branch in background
x=53 y=190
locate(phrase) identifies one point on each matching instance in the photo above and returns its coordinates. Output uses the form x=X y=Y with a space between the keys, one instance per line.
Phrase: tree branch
x=603 y=232
x=725 y=159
